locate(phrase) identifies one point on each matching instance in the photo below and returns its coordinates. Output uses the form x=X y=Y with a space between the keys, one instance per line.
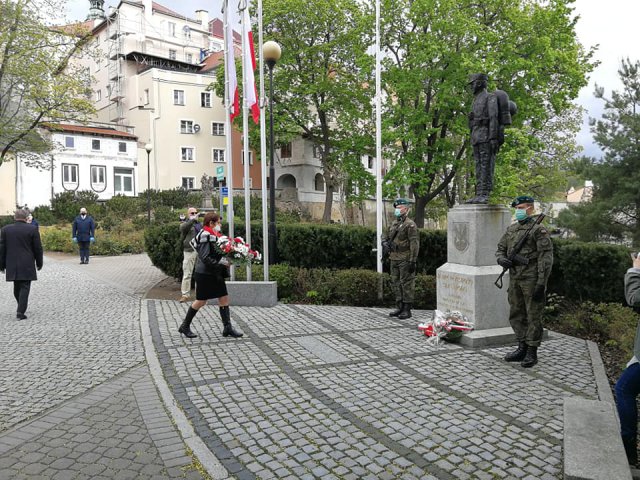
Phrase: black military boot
x=397 y=311
x=406 y=311
x=518 y=354
x=228 y=330
x=531 y=358
x=185 y=328
x=631 y=449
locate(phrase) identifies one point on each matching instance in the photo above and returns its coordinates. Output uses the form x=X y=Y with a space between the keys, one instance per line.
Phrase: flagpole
x=227 y=122
x=244 y=4
x=263 y=152
x=378 y=148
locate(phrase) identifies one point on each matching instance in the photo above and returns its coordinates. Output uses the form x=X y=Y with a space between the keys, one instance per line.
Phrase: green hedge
x=581 y=271
x=58 y=239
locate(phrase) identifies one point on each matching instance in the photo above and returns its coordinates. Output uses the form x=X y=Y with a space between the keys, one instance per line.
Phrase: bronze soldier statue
x=489 y=114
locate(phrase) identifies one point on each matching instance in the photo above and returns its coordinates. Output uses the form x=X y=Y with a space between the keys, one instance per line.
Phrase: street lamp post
x=148 y=147
x=271 y=51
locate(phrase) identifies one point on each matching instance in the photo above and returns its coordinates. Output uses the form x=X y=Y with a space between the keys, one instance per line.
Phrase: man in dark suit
x=20 y=256
x=83 y=233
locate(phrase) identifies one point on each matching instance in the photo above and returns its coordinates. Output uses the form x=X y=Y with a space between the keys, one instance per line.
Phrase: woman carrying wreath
x=210 y=272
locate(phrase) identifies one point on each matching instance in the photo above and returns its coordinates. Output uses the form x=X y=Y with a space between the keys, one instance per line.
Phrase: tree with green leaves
x=528 y=49
x=614 y=211
x=38 y=81
x=323 y=83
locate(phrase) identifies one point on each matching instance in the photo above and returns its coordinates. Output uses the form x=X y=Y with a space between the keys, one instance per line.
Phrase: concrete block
x=471 y=291
x=492 y=337
x=593 y=448
x=473 y=232
x=253 y=294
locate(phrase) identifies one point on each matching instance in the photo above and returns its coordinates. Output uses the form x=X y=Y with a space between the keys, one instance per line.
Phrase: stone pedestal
x=466 y=282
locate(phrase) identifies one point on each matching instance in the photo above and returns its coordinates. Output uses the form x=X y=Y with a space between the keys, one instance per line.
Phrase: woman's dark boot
x=228 y=330
x=518 y=354
x=531 y=358
x=397 y=311
x=185 y=328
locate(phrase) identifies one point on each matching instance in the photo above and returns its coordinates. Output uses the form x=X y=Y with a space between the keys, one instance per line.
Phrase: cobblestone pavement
x=349 y=393
x=76 y=397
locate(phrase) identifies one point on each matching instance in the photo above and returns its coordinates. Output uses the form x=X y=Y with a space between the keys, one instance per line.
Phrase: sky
x=610 y=24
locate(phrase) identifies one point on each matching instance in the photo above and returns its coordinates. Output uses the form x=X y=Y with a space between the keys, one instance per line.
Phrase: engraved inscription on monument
x=455 y=292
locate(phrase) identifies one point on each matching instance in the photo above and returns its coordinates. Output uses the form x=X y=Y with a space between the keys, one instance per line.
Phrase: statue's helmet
x=478 y=76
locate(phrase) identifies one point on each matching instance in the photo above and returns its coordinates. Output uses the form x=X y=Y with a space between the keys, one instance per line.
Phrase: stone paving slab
x=78 y=334
x=349 y=393
x=117 y=430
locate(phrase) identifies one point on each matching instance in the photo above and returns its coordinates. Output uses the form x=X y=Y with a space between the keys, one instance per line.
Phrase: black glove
x=504 y=262
x=412 y=267
x=539 y=293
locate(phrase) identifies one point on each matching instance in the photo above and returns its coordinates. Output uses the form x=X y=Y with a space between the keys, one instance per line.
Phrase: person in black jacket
x=211 y=270
x=20 y=256
x=83 y=231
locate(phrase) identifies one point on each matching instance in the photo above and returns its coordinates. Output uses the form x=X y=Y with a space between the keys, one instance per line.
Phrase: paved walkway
x=309 y=392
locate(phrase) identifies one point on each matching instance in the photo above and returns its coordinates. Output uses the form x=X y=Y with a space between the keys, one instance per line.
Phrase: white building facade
x=101 y=160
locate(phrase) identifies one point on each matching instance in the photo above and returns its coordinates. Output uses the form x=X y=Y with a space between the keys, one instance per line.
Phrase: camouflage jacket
x=406 y=242
x=538 y=249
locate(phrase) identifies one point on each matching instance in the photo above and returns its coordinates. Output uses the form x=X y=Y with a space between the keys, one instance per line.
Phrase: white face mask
x=217 y=228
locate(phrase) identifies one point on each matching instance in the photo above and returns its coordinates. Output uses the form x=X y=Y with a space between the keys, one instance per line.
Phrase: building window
x=108 y=91
x=95 y=144
x=146 y=96
x=172 y=29
x=218 y=155
x=123 y=181
x=98 y=176
x=69 y=176
x=188 y=57
x=285 y=151
x=98 y=95
x=69 y=142
x=187 y=154
x=172 y=54
x=250 y=158
x=217 y=128
x=188 y=183
x=122 y=147
x=186 y=31
x=186 y=126
x=369 y=162
x=178 y=97
x=205 y=99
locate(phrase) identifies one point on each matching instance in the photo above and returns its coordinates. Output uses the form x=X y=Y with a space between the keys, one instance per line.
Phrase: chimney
x=203 y=18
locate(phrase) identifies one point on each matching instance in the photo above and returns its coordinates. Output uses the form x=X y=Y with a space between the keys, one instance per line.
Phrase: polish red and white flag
x=249 y=66
x=230 y=65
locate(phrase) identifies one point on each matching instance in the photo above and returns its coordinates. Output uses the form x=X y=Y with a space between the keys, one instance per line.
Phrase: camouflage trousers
x=402 y=282
x=525 y=314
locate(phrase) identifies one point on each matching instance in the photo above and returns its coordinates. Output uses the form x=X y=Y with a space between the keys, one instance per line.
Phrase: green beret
x=401 y=201
x=522 y=199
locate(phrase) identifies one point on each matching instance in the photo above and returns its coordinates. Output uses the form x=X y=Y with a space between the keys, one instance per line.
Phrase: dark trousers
x=627 y=389
x=84 y=250
x=21 y=290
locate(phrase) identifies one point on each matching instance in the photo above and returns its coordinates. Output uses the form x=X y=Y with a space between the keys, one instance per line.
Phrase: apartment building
x=154 y=71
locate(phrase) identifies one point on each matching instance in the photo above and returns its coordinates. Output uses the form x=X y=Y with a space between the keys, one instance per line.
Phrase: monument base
x=253 y=294
x=492 y=337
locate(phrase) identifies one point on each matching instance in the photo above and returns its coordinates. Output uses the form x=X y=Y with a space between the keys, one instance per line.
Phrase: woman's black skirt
x=209 y=286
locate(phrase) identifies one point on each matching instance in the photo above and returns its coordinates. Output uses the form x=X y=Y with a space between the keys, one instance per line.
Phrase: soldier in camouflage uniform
x=527 y=282
x=404 y=244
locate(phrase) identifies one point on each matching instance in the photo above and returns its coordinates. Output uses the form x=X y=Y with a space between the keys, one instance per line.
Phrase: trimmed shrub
x=589 y=271
x=57 y=238
x=164 y=248
x=6 y=220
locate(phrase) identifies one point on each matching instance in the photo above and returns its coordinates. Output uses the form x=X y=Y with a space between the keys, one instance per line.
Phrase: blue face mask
x=521 y=214
x=397 y=212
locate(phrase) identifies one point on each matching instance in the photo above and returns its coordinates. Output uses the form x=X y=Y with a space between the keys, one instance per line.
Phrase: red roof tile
x=105 y=132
